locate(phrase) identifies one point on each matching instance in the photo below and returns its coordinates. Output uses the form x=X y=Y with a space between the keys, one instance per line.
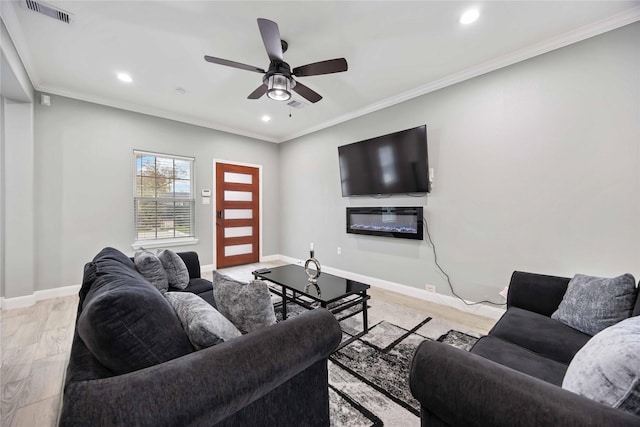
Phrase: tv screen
x=388 y=164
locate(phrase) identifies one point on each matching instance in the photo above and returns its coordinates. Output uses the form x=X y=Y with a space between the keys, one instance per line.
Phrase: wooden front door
x=237 y=215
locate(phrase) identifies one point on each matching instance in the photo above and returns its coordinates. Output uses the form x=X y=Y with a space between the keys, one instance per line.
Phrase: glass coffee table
x=334 y=293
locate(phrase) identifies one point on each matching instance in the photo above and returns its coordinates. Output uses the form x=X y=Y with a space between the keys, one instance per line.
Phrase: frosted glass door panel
x=238 y=178
x=238 y=196
x=237 y=250
x=238 y=231
x=238 y=213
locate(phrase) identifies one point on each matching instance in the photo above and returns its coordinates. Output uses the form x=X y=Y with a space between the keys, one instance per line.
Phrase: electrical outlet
x=430 y=288
x=339 y=250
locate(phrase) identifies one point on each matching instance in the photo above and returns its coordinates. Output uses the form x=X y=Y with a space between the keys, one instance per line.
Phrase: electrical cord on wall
x=435 y=259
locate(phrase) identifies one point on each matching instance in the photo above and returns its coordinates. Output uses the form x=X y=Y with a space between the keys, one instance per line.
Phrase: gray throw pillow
x=592 y=304
x=176 y=269
x=148 y=264
x=204 y=325
x=247 y=305
x=607 y=368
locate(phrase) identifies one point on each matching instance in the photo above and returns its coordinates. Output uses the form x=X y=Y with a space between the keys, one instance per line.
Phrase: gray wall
x=18 y=195
x=536 y=169
x=84 y=181
x=16 y=173
x=2 y=208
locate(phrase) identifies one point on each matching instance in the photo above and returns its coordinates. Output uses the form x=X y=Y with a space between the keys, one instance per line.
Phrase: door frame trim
x=214 y=202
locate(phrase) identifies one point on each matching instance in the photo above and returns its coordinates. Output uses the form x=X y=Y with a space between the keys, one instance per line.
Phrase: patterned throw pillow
x=247 y=305
x=176 y=269
x=592 y=304
x=148 y=264
x=607 y=368
x=204 y=325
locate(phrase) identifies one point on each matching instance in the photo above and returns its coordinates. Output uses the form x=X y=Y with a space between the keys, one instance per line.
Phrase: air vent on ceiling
x=48 y=10
x=296 y=104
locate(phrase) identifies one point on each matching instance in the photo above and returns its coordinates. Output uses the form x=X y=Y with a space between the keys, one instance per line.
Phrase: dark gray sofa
x=512 y=376
x=274 y=376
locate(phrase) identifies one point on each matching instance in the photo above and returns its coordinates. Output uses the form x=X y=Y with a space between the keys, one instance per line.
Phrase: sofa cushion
x=105 y=256
x=247 y=305
x=204 y=325
x=175 y=268
x=192 y=262
x=516 y=324
x=125 y=322
x=195 y=286
x=592 y=304
x=151 y=269
x=607 y=369
x=520 y=359
x=108 y=260
x=201 y=287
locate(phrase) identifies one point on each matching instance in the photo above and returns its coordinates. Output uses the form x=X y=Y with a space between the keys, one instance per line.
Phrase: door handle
x=219 y=214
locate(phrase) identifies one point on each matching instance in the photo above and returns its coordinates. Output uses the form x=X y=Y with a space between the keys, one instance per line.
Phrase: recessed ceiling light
x=469 y=16
x=124 y=77
x=266 y=119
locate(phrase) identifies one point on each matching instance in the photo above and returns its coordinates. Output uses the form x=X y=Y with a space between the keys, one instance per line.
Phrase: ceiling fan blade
x=256 y=94
x=308 y=94
x=233 y=64
x=323 y=67
x=271 y=38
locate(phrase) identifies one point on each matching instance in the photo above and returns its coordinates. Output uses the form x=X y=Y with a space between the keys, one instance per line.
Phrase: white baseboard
x=17 y=302
x=479 y=309
x=270 y=258
x=28 y=300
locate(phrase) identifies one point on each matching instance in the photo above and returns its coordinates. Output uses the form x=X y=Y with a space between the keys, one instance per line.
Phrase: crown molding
x=9 y=19
x=12 y=56
x=582 y=33
x=150 y=111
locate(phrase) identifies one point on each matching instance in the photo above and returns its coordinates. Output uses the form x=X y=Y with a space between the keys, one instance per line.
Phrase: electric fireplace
x=399 y=222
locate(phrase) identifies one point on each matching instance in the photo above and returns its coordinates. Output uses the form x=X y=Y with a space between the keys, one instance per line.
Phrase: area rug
x=369 y=378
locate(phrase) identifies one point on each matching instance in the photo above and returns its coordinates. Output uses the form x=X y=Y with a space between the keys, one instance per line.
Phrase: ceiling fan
x=278 y=80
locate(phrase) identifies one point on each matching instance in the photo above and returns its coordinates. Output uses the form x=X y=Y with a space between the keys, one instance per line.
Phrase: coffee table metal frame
x=295 y=291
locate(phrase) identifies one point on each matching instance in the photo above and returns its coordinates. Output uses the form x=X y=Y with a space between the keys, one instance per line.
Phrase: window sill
x=164 y=243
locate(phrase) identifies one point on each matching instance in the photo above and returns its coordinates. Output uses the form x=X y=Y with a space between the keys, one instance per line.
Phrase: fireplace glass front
x=399 y=222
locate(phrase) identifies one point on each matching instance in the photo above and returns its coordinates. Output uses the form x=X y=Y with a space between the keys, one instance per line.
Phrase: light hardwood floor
x=36 y=341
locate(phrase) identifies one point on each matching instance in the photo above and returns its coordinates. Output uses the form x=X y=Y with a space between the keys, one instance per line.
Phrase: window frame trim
x=163 y=243
x=167 y=242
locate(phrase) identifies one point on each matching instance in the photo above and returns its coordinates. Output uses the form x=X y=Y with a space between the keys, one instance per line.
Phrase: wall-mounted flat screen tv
x=396 y=163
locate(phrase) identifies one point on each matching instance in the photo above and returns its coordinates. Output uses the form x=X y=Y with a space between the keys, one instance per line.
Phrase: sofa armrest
x=536 y=292
x=205 y=387
x=463 y=389
x=192 y=262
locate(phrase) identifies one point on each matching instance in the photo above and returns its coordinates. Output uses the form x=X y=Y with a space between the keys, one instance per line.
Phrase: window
x=164 y=199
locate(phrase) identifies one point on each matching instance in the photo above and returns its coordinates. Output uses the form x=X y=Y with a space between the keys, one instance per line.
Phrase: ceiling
x=395 y=51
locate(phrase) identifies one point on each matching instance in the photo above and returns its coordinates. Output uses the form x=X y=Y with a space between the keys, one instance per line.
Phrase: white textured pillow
x=148 y=264
x=204 y=325
x=607 y=368
x=176 y=269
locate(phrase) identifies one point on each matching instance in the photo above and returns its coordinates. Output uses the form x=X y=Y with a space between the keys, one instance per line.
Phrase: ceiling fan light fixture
x=279 y=87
